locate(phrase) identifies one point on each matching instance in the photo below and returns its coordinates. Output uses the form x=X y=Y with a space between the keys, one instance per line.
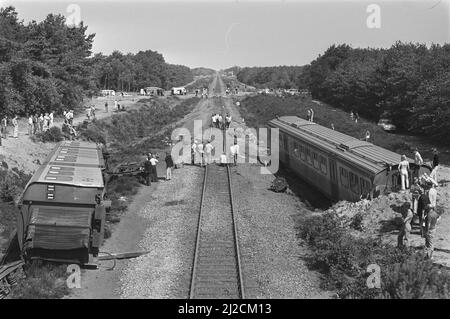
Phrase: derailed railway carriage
x=62 y=214
x=338 y=165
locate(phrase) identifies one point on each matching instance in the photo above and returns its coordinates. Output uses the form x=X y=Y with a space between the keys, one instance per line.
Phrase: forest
x=408 y=83
x=49 y=66
x=285 y=77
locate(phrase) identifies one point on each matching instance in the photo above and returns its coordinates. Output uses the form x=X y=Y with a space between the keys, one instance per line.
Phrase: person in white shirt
x=154 y=161
x=418 y=161
x=194 y=151
x=208 y=152
x=213 y=120
x=219 y=120
x=51 y=117
x=234 y=150
x=223 y=159
x=200 y=152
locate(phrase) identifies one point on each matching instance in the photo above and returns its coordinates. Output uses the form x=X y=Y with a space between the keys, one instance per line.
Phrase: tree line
x=285 y=77
x=408 y=83
x=48 y=66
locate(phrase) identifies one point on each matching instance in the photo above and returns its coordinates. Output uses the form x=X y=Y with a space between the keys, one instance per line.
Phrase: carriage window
x=354 y=183
x=308 y=155
x=296 y=150
x=344 y=177
x=323 y=164
x=365 y=186
x=303 y=152
x=316 y=160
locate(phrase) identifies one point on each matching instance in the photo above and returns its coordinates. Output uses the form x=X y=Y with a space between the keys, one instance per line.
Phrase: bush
x=344 y=260
x=53 y=134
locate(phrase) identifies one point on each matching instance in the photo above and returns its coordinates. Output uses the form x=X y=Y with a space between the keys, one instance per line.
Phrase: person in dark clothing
x=422 y=206
x=435 y=158
x=148 y=171
x=169 y=164
x=154 y=161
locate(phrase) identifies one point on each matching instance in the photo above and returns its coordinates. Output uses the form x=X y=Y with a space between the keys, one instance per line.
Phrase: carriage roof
x=366 y=155
x=72 y=163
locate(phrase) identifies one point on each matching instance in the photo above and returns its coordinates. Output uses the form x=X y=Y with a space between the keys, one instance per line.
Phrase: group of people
x=202 y=153
x=354 y=116
x=218 y=121
x=4 y=128
x=150 y=171
x=423 y=201
x=423 y=208
x=404 y=169
x=40 y=124
x=204 y=92
x=90 y=111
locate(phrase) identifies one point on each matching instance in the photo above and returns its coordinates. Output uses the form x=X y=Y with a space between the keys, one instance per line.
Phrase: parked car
x=387 y=125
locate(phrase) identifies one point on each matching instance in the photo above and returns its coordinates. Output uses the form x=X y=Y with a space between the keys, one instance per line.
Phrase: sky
x=223 y=33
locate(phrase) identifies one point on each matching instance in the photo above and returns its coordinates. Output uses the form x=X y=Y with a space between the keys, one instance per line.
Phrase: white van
x=178 y=91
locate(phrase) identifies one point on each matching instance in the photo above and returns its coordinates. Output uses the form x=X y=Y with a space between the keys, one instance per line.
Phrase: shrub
x=53 y=134
x=344 y=260
x=43 y=280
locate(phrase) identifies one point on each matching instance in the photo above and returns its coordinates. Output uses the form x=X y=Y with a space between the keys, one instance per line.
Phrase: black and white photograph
x=224 y=158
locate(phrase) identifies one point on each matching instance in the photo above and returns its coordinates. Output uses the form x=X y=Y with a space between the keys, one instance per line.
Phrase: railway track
x=217 y=271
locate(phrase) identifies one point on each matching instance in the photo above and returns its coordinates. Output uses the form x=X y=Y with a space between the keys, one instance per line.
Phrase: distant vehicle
x=387 y=125
x=108 y=92
x=178 y=91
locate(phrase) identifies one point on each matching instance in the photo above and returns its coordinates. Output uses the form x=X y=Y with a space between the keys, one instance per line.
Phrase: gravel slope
x=171 y=215
x=271 y=253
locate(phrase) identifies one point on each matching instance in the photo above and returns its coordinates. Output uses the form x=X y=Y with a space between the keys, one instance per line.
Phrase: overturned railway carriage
x=338 y=165
x=61 y=214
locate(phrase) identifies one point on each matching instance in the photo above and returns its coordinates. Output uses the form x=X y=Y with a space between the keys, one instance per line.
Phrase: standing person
x=405 y=230
x=194 y=152
x=93 y=111
x=356 y=117
x=213 y=120
x=312 y=115
x=148 y=171
x=367 y=137
x=4 y=127
x=220 y=121
x=332 y=126
x=88 y=113
x=15 y=124
x=403 y=168
x=169 y=166
x=115 y=105
x=201 y=152
x=308 y=115
x=46 y=121
x=41 y=123
x=208 y=152
x=430 y=230
x=416 y=192
x=227 y=120
x=234 y=150
x=422 y=208
x=223 y=160
x=106 y=107
x=30 y=125
x=154 y=161
x=51 y=119
x=351 y=115
x=418 y=161
x=434 y=171
x=35 y=123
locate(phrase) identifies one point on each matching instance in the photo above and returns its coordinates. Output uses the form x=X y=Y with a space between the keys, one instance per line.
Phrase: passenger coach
x=62 y=215
x=338 y=165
